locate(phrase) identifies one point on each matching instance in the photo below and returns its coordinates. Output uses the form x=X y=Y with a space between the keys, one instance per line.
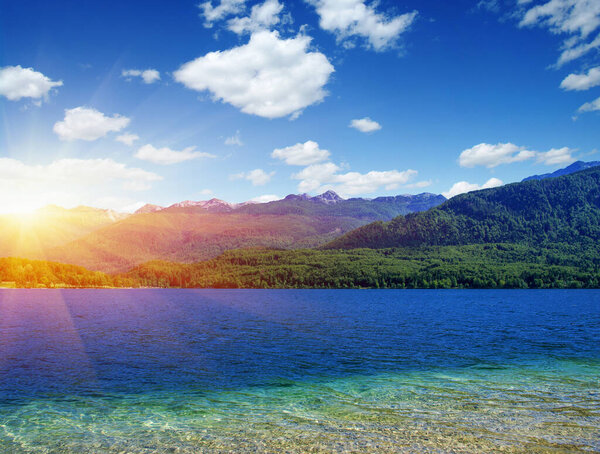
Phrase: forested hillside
x=563 y=209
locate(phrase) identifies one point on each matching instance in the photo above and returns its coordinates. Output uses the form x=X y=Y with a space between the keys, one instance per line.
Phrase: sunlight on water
x=551 y=406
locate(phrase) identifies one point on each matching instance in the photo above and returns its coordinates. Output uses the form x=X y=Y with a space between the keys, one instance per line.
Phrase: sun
x=21 y=208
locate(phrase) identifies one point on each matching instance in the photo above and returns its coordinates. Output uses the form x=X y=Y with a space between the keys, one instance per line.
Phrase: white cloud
x=582 y=81
x=223 y=9
x=590 y=106
x=265 y=198
x=315 y=176
x=118 y=203
x=148 y=75
x=257 y=177
x=556 y=156
x=348 y=18
x=464 y=186
x=565 y=16
x=88 y=124
x=576 y=18
x=269 y=76
x=67 y=182
x=167 y=156
x=365 y=125
x=262 y=17
x=127 y=138
x=206 y=192
x=490 y=155
x=490 y=5
x=575 y=51
x=301 y=154
x=321 y=177
x=419 y=184
x=234 y=140
x=17 y=82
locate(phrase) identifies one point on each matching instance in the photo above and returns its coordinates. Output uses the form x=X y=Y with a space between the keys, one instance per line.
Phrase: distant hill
x=546 y=211
x=192 y=231
x=575 y=167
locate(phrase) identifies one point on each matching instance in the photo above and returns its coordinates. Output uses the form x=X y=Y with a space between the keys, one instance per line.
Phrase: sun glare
x=20 y=210
x=24 y=205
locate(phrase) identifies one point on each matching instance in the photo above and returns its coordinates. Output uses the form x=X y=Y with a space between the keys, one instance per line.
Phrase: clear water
x=144 y=371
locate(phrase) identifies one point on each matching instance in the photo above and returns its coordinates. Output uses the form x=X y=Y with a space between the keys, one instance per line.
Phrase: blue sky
x=445 y=97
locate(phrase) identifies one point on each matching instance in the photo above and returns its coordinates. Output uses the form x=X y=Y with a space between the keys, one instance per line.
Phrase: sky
x=115 y=104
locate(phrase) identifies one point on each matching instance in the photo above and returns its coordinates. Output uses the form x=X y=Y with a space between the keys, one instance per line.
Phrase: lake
x=143 y=371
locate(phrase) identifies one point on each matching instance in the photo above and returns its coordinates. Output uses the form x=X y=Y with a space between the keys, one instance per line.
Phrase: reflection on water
x=299 y=371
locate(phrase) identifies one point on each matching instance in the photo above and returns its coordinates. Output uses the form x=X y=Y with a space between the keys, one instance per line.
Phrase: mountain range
x=327 y=204
x=534 y=212
x=197 y=230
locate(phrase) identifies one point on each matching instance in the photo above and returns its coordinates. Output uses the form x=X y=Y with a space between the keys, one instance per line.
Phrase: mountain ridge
x=577 y=166
x=565 y=208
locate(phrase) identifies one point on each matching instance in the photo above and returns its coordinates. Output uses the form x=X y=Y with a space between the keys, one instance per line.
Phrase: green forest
x=24 y=273
x=472 y=266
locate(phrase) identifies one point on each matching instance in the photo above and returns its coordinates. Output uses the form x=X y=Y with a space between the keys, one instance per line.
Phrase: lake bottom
x=553 y=406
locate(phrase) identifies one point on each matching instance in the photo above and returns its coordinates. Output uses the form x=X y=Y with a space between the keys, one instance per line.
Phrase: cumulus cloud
x=88 y=124
x=582 y=81
x=67 y=182
x=490 y=155
x=269 y=76
x=221 y=10
x=262 y=17
x=234 y=140
x=127 y=138
x=17 y=82
x=556 y=156
x=265 y=198
x=301 y=154
x=349 y=18
x=365 y=125
x=257 y=177
x=321 y=177
x=167 y=156
x=578 y=19
x=590 y=106
x=464 y=186
x=149 y=76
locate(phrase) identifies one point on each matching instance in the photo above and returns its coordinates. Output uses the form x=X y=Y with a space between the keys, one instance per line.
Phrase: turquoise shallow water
x=300 y=371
